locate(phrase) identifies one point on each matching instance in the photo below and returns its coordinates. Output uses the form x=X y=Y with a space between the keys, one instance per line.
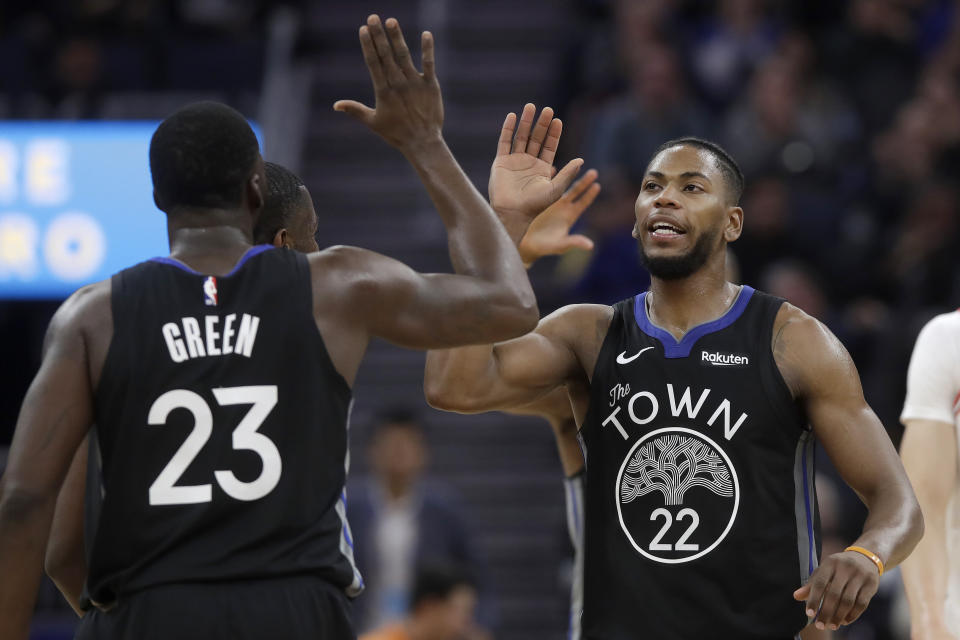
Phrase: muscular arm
x=929 y=453
x=823 y=378
x=56 y=414
x=490 y=298
x=562 y=348
x=65 y=560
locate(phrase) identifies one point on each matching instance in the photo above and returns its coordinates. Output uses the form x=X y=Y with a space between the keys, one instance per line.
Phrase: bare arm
x=56 y=414
x=824 y=380
x=519 y=371
x=65 y=560
x=511 y=375
x=929 y=453
x=491 y=299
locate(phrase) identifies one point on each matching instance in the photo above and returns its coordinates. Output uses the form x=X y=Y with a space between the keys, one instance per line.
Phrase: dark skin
x=684 y=186
x=65 y=559
x=488 y=299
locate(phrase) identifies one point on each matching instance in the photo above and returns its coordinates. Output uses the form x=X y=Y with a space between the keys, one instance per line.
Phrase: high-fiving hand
x=549 y=233
x=408 y=112
x=523 y=180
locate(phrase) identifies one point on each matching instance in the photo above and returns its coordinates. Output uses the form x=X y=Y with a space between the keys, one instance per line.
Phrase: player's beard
x=677 y=267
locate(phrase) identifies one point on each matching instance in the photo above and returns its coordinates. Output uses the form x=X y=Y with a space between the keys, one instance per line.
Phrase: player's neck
x=210 y=242
x=681 y=304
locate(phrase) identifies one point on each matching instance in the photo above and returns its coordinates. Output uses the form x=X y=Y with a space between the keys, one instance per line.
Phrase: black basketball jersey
x=222 y=428
x=701 y=508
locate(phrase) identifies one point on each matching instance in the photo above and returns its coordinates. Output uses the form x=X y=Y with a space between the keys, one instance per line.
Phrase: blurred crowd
x=845 y=118
x=60 y=59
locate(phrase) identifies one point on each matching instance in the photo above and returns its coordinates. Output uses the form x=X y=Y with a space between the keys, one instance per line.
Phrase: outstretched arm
x=491 y=299
x=513 y=374
x=823 y=378
x=517 y=372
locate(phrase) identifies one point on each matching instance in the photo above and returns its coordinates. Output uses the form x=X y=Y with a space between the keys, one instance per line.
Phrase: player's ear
x=734 y=224
x=157 y=201
x=281 y=240
x=255 y=189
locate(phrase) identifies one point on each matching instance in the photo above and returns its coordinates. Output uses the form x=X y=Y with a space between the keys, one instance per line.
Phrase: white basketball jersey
x=933 y=393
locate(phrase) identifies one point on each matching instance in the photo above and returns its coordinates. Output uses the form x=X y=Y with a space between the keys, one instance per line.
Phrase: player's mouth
x=665 y=230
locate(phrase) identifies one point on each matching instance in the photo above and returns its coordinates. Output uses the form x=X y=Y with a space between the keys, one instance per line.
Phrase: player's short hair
x=437 y=580
x=283 y=196
x=398 y=416
x=732 y=174
x=202 y=156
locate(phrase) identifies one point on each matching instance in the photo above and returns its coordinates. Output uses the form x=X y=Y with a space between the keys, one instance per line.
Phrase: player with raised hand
x=698 y=404
x=219 y=380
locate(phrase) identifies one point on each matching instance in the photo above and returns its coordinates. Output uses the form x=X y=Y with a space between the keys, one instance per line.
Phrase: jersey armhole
x=303 y=267
x=621 y=313
x=774 y=385
x=116 y=295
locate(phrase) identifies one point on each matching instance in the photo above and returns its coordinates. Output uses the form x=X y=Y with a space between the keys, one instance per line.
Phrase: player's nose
x=667 y=198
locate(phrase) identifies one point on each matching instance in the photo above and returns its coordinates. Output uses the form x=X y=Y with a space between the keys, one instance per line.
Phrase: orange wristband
x=870 y=554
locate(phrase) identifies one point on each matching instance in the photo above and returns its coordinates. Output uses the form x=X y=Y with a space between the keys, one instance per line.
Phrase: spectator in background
x=787 y=124
x=657 y=105
x=441 y=608
x=922 y=265
x=874 y=56
x=727 y=47
x=400 y=522
x=767 y=235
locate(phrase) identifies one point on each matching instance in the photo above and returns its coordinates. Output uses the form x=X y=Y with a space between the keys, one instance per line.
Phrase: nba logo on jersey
x=210 y=291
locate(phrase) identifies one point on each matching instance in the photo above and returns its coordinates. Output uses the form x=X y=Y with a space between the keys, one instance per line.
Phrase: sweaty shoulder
x=806 y=351
x=85 y=318
x=88 y=307
x=340 y=265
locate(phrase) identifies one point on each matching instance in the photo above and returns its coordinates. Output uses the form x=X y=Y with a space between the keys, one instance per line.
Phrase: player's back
x=222 y=429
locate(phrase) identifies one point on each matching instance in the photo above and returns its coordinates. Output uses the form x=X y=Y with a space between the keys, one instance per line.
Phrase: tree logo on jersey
x=677 y=495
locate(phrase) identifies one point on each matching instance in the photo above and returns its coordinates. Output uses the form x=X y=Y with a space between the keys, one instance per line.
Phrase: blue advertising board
x=76 y=204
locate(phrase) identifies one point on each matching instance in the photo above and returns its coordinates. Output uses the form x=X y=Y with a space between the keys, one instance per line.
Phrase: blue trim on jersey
x=576 y=511
x=252 y=251
x=346 y=532
x=673 y=348
x=806 y=504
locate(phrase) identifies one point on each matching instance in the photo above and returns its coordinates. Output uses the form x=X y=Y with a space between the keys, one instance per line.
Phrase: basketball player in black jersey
x=287 y=220
x=219 y=379
x=698 y=402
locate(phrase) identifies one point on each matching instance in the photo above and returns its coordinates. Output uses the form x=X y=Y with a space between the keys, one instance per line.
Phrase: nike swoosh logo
x=623 y=359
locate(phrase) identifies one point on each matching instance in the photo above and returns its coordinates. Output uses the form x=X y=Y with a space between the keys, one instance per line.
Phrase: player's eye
x=651 y=186
x=693 y=188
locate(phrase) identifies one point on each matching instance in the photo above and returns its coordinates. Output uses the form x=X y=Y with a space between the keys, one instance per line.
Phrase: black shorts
x=290 y=607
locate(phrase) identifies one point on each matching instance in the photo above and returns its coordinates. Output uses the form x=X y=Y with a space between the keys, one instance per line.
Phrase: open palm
x=523 y=180
x=549 y=233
